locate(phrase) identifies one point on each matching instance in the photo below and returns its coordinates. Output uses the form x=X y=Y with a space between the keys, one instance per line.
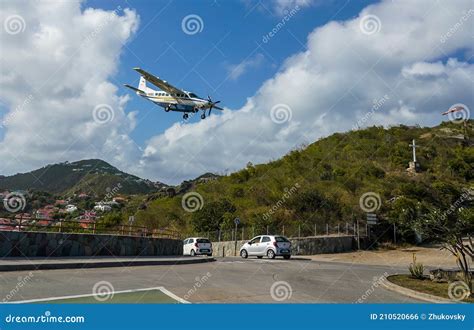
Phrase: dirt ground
x=431 y=257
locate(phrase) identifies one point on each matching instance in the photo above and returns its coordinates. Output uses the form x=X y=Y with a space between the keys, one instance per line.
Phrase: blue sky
x=232 y=33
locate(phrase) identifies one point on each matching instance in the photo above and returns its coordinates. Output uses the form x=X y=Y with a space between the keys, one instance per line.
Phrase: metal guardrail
x=85 y=227
x=247 y=233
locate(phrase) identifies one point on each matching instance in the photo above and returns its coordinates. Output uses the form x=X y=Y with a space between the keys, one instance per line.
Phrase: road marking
x=162 y=289
x=172 y=295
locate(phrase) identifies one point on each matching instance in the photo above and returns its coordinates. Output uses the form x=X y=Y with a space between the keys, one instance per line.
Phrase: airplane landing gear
x=203 y=116
x=167 y=109
x=185 y=116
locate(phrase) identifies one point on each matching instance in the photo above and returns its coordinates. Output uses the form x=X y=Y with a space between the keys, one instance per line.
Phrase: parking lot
x=227 y=280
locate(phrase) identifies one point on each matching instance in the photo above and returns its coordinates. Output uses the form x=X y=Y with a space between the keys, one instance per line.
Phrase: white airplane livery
x=172 y=98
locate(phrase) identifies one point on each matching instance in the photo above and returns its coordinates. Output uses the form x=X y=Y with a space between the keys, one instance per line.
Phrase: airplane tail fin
x=142 y=84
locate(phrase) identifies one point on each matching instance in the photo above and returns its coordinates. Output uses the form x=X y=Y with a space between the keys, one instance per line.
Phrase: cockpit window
x=193 y=95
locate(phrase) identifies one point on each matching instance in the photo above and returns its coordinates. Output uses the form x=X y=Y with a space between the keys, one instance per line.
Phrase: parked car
x=267 y=245
x=197 y=246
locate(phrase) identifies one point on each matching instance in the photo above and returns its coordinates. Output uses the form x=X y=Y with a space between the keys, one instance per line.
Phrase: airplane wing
x=161 y=84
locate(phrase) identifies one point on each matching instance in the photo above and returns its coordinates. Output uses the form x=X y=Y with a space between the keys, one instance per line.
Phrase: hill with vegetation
x=92 y=176
x=325 y=183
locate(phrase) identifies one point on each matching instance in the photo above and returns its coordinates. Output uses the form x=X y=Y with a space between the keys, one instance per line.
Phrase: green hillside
x=92 y=176
x=323 y=183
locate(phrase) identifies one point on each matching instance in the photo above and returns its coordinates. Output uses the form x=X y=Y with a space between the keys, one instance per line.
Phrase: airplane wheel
x=167 y=109
x=185 y=116
x=203 y=116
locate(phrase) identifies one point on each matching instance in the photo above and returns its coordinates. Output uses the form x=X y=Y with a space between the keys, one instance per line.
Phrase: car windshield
x=203 y=240
x=281 y=239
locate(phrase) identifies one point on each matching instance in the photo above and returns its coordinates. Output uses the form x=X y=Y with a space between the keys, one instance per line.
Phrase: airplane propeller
x=211 y=104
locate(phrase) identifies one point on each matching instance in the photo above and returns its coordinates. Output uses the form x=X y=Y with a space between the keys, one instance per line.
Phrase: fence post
x=394 y=234
x=337 y=229
x=267 y=229
x=219 y=234
x=347 y=228
x=242 y=233
x=299 y=230
x=358 y=236
x=283 y=230
x=315 y=231
x=327 y=229
x=253 y=231
x=60 y=225
x=93 y=229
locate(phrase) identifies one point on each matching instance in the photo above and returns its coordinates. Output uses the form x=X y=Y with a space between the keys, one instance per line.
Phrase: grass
x=139 y=297
x=425 y=286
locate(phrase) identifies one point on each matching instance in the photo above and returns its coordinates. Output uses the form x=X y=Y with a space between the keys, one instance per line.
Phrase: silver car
x=267 y=245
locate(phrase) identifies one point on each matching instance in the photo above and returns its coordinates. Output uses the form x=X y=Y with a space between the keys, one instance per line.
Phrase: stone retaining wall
x=42 y=244
x=299 y=246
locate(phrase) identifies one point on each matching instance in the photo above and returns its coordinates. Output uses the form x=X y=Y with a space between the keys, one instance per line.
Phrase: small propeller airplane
x=172 y=98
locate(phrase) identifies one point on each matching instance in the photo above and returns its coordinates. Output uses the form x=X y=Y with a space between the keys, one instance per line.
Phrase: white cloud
x=329 y=87
x=252 y=62
x=53 y=75
x=283 y=6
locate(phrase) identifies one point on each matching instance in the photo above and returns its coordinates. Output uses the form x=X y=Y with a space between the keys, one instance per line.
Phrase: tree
x=213 y=216
x=453 y=228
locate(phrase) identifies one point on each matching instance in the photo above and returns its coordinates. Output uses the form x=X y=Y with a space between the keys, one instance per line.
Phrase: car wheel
x=259 y=257
x=287 y=257
x=193 y=253
x=271 y=254
x=244 y=254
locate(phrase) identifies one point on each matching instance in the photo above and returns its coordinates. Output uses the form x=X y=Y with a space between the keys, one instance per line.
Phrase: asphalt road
x=228 y=280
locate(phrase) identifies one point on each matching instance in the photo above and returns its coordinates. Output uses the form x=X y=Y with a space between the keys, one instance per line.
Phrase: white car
x=267 y=245
x=197 y=246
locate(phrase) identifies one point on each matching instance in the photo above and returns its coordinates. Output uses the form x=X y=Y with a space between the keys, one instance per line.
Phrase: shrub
x=416 y=269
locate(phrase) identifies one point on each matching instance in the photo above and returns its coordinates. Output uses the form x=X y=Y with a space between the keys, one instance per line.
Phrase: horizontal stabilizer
x=135 y=89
